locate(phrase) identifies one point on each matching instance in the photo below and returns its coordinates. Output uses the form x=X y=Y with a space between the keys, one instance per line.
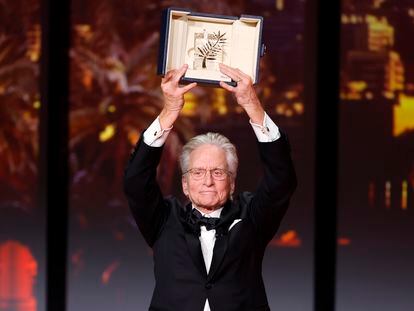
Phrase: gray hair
x=215 y=139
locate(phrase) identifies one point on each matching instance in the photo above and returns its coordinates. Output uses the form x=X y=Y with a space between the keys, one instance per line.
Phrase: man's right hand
x=173 y=96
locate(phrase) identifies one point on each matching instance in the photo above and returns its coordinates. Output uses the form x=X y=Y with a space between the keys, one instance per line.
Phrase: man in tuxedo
x=208 y=254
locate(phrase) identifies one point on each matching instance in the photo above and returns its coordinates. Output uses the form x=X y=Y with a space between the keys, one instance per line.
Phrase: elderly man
x=208 y=254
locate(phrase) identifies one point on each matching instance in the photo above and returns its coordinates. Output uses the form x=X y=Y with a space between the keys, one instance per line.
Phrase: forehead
x=208 y=156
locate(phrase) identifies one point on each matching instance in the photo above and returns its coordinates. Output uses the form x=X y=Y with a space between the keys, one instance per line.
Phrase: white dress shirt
x=155 y=136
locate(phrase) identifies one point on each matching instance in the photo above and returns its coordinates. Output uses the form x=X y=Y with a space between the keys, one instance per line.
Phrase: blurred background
x=115 y=95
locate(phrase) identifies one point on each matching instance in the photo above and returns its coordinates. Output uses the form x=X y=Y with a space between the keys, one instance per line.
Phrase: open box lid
x=204 y=40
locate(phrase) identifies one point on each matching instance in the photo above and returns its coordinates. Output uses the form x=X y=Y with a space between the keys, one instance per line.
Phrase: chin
x=211 y=205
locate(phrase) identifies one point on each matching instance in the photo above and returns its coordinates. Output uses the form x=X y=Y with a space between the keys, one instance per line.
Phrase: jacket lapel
x=229 y=213
x=191 y=234
x=220 y=248
x=194 y=249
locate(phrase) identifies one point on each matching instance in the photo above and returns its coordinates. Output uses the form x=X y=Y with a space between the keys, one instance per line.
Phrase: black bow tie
x=200 y=220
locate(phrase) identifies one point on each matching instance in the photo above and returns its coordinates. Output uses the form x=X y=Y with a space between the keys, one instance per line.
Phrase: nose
x=208 y=179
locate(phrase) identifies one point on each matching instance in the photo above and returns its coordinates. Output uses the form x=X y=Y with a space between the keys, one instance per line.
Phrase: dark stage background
x=115 y=94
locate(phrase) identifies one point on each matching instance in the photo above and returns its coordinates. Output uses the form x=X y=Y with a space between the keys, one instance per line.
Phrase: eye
x=218 y=172
x=198 y=172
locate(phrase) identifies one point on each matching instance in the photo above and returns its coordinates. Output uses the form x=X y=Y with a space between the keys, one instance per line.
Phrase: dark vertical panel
x=322 y=95
x=53 y=145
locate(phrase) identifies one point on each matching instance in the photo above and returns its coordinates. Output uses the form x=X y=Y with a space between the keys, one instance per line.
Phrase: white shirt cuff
x=155 y=136
x=267 y=132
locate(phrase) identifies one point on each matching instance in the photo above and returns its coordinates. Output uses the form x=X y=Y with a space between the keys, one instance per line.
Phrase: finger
x=224 y=66
x=231 y=72
x=227 y=69
x=242 y=74
x=227 y=87
x=168 y=76
x=235 y=73
x=180 y=72
x=188 y=87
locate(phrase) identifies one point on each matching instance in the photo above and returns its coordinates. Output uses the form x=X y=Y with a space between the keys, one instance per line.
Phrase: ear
x=184 y=184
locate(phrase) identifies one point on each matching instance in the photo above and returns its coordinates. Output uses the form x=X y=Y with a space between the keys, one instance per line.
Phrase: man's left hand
x=244 y=92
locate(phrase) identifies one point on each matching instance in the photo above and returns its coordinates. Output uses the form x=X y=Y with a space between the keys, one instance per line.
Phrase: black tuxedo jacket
x=234 y=282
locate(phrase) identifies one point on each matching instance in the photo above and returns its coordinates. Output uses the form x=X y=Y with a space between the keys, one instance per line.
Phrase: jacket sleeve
x=143 y=193
x=271 y=199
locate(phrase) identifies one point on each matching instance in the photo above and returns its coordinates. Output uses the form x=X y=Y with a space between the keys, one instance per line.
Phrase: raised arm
x=144 y=196
x=271 y=198
x=269 y=202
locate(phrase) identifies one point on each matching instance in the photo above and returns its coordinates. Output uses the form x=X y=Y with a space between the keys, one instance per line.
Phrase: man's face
x=208 y=192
